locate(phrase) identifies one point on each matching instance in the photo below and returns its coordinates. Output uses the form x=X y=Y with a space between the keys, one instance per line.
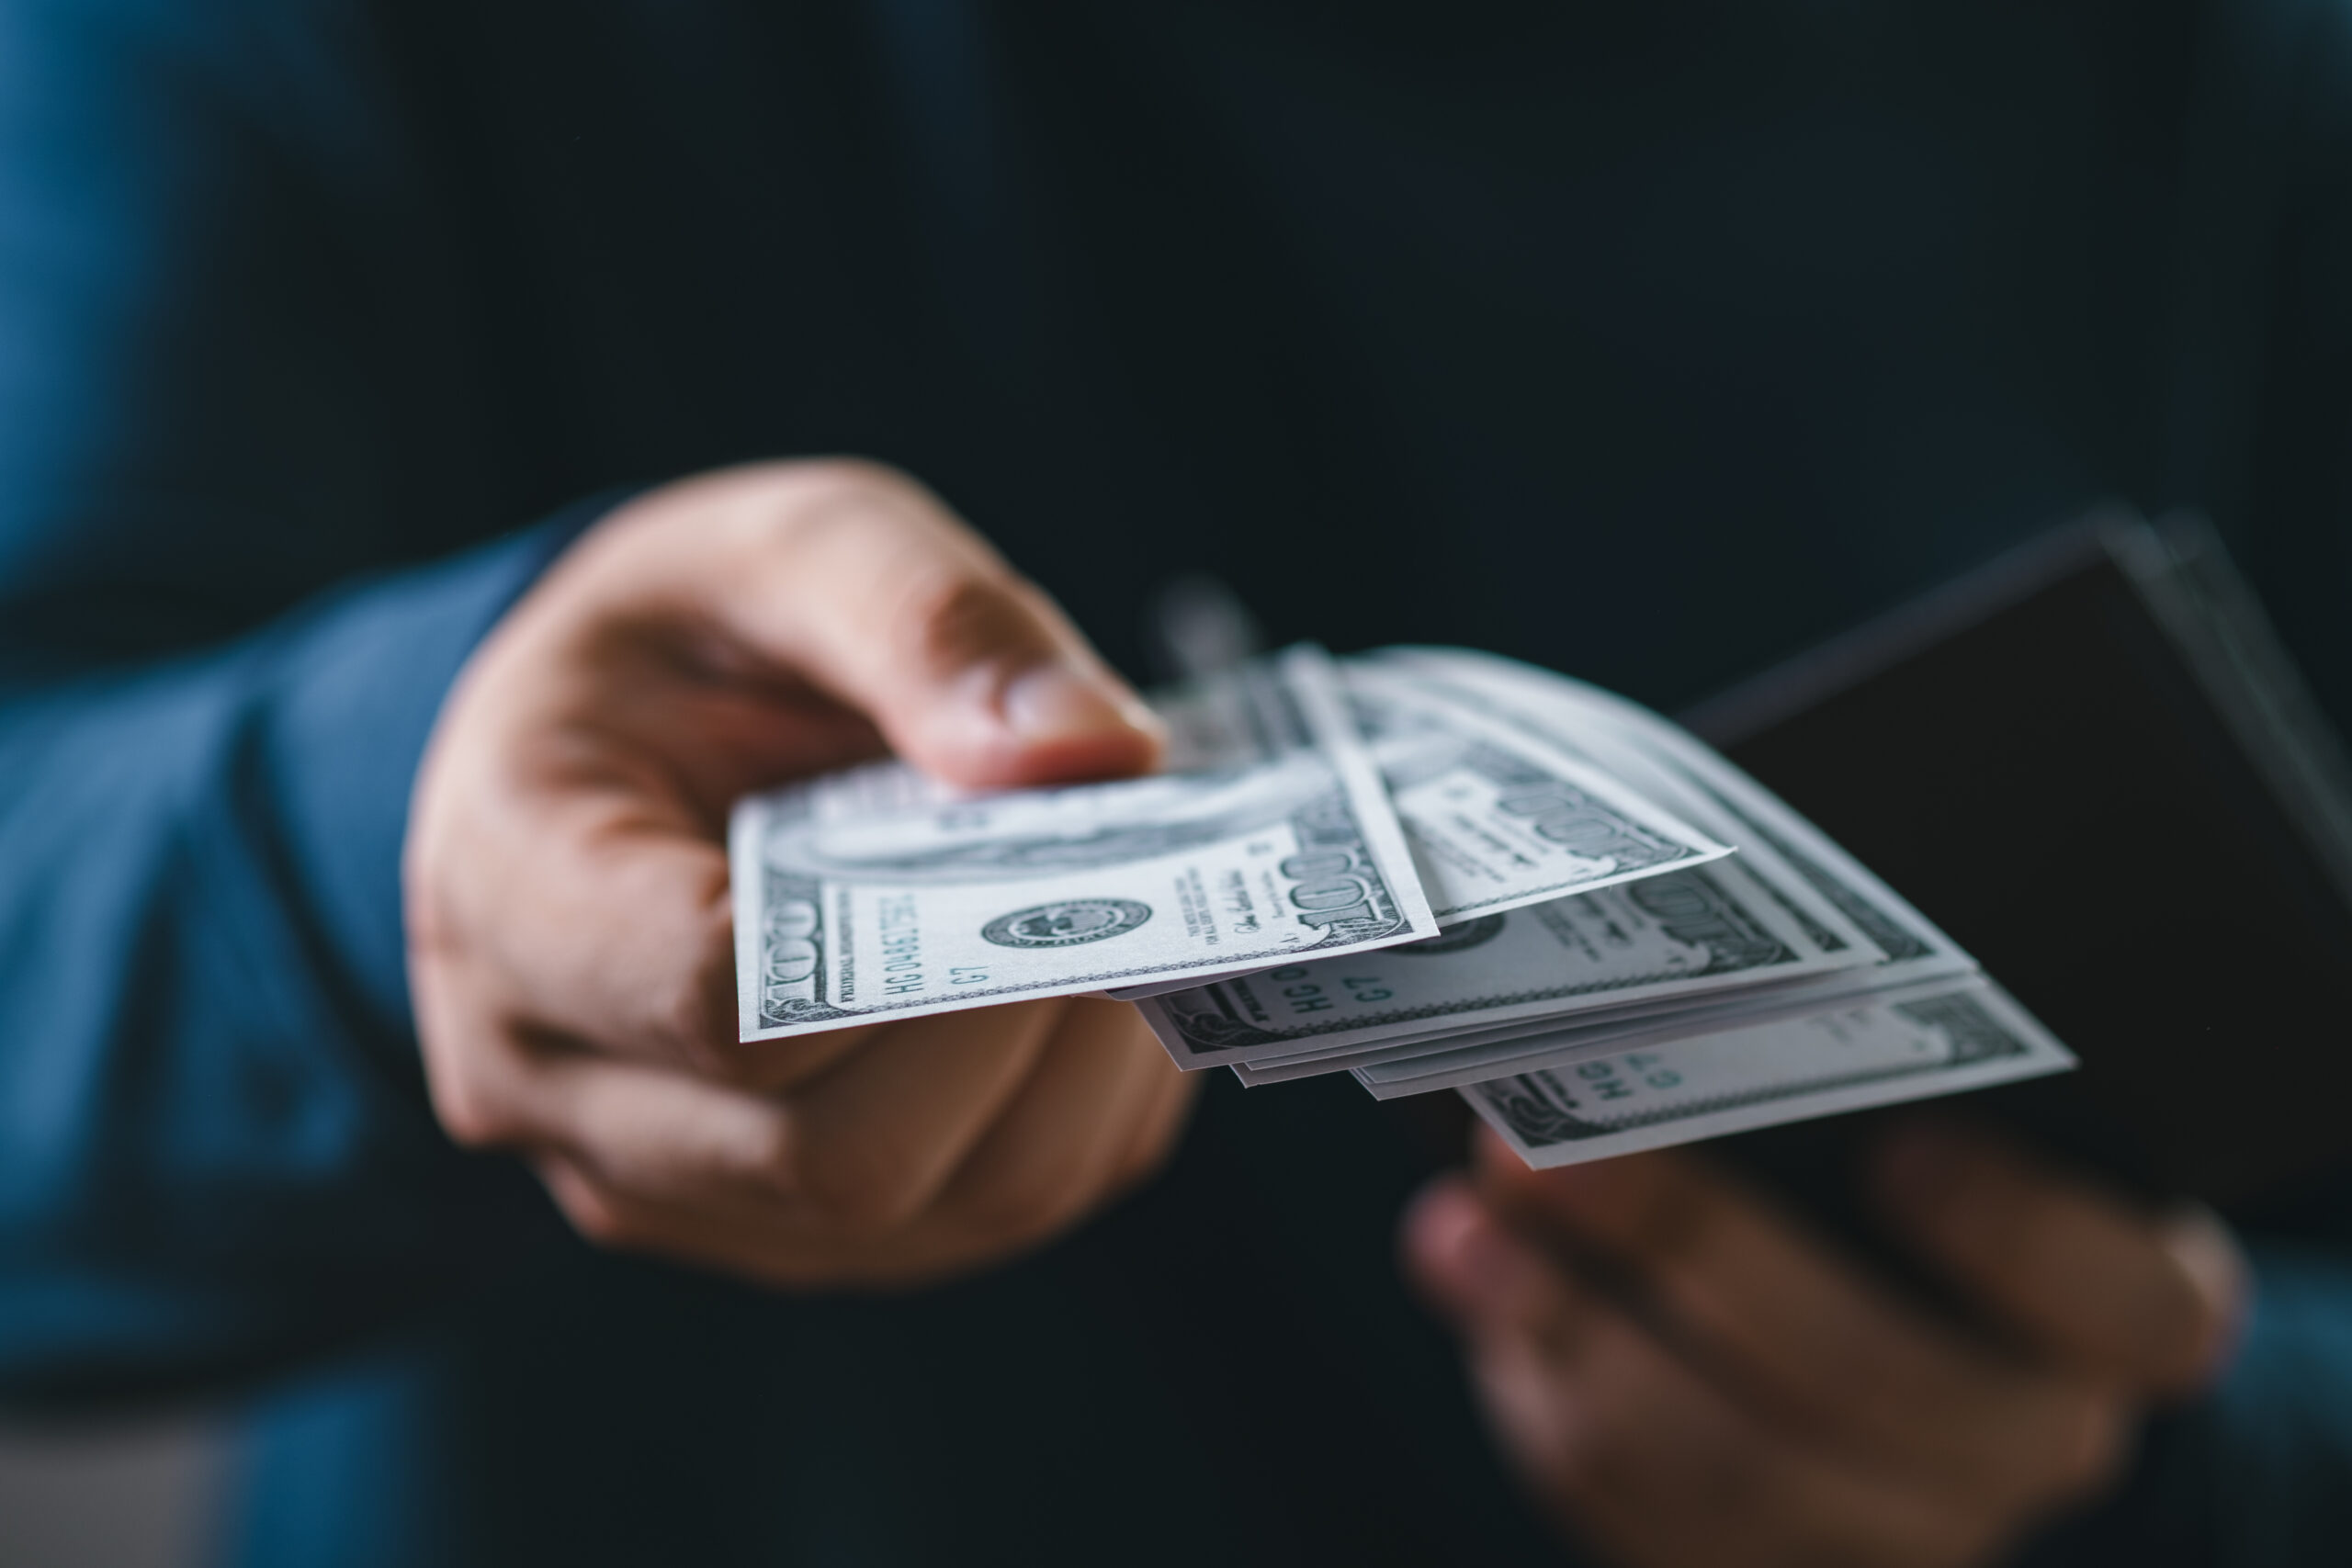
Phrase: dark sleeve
x=215 y=1150
x=231 y=421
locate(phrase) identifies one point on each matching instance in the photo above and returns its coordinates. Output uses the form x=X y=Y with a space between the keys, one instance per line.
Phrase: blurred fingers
x=884 y=1130
x=1052 y=1155
x=1806 y=1339
x=1632 y=1446
x=2140 y=1301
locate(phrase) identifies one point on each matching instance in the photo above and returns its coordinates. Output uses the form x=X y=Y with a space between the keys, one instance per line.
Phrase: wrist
x=359 y=684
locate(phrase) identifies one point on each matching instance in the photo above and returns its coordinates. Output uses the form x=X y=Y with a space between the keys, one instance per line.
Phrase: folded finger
x=748 y=1239
x=1049 y=1155
x=653 y=1133
x=618 y=928
x=877 y=1137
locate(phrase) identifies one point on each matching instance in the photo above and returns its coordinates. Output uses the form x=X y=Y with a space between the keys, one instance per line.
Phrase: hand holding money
x=567 y=887
x=1723 y=1388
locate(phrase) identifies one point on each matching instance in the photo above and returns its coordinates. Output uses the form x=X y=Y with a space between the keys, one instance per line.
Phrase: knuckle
x=472 y=1116
x=689 y=1021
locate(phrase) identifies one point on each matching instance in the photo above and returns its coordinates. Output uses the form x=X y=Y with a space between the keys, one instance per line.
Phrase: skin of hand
x=1739 y=1395
x=570 y=949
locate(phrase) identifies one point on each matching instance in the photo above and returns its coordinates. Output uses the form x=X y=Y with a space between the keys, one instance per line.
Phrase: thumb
x=860 y=580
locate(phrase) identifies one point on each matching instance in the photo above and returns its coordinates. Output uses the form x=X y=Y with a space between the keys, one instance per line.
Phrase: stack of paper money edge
x=1908 y=1015
x=1604 y=934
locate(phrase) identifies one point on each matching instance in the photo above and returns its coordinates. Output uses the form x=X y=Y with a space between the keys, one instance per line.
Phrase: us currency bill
x=1840 y=904
x=1419 y=1065
x=1639 y=745
x=1684 y=934
x=877 y=892
x=1457 y=1064
x=1616 y=958
x=1659 y=757
x=1936 y=1038
x=1497 y=818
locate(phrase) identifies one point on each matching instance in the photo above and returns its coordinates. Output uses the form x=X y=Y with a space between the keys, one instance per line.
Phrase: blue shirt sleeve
x=234 y=418
x=215 y=1149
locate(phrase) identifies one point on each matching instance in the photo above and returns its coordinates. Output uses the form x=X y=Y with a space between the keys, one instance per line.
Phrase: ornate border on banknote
x=1713 y=921
x=1531 y=1103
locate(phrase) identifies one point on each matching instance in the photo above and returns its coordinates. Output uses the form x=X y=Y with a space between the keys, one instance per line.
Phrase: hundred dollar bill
x=1937 y=1038
x=1836 y=901
x=1455 y=1050
x=1447 y=1059
x=1631 y=740
x=1498 y=818
x=1683 y=934
x=877 y=892
x=1456 y=1063
x=1419 y=1064
x=1820 y=882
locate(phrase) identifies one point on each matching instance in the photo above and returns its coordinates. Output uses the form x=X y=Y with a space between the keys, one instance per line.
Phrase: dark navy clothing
x=1646 y=342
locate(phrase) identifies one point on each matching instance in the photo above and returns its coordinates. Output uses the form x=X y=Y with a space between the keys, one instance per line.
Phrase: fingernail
x=1057 y=701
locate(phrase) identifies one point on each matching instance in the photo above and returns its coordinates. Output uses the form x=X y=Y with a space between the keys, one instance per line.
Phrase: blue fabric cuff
x=360 y=676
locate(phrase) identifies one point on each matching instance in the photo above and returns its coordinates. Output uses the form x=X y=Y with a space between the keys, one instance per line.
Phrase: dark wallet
x=2093 y=765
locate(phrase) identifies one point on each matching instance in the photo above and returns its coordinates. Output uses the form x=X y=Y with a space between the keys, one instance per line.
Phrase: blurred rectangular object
x=2110 y=703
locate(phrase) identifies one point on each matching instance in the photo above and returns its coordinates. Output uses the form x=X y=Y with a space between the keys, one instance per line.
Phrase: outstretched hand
x=566 y=888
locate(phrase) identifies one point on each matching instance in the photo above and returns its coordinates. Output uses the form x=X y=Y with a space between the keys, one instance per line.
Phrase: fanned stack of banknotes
x=1428 y=868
